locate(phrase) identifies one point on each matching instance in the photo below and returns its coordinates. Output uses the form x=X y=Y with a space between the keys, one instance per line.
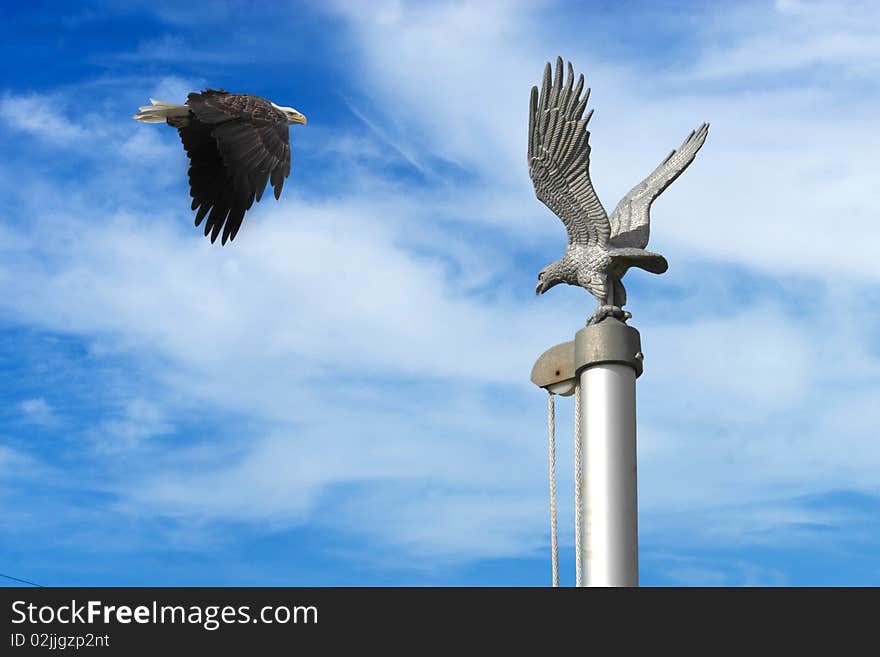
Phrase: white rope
x=551 y=430
x=578 y=489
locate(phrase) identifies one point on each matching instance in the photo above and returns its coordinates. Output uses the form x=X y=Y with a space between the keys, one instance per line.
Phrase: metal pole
x=610 y=502
x=608 y=358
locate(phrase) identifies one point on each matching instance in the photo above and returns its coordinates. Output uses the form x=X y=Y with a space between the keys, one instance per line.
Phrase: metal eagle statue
x=600 y=249
x=236 y=143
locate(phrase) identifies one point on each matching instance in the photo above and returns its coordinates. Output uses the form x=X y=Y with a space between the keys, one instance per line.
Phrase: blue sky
x=341 y=396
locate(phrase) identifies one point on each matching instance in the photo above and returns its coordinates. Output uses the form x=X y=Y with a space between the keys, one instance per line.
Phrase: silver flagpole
x=610 y=501
x=611 y=360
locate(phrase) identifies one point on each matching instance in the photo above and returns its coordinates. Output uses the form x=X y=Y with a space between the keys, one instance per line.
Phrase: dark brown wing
x=241 y=142
x=210 y=183
x=255 y=152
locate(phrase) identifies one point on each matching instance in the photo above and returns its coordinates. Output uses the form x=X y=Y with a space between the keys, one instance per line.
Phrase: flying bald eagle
x=600 y=249
x=236 y=143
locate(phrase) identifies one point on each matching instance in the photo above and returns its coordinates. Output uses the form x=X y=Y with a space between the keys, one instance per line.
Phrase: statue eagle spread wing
x=600 y=249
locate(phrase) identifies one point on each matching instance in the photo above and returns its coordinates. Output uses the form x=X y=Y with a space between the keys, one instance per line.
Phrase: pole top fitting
x=609 y=341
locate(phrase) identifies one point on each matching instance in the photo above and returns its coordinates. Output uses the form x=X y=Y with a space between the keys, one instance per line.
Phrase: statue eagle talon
x=600 y=249
x=608 y=311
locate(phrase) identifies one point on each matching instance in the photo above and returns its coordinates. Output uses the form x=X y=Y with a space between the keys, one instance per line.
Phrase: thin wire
x=578 y=489
x=551 y=430
x=24 y=581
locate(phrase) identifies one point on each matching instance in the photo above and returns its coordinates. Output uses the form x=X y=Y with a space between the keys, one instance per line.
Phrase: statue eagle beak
x=540 y=288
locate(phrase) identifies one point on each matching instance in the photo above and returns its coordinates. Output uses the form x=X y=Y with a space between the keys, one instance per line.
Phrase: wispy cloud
x=41 y=116
x=708 y=571
x=140 y=420
x=171 y=49
x=38 y=411
x=792 y=37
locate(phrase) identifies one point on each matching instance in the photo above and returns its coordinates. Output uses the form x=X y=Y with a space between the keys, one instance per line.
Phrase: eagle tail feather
x=160 y=111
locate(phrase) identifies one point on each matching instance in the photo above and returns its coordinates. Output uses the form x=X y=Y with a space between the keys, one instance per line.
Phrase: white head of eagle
x=236 y=144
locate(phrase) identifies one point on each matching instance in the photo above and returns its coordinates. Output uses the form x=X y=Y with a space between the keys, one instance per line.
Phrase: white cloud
x=706 y=571
x=144 y=146
x=792 y=37
x=328 y=283
x=38 y=411
x=174 y=89
x=42 y=116
x=756 y=359
x=139 y=420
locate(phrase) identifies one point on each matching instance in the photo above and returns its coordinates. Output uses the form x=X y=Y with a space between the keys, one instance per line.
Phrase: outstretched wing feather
x=559 y=156
x=631 y=219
